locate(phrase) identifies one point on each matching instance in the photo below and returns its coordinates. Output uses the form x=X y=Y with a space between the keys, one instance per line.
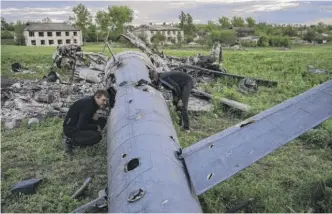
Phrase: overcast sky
x=277 y=11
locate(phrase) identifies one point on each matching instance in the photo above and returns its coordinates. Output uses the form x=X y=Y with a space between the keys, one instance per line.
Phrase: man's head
x=101 y=98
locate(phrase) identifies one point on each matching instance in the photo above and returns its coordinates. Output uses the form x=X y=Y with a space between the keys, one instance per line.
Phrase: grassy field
x=295 y=178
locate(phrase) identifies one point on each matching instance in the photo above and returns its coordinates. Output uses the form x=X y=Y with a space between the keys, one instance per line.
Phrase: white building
x=51 y=34
x=170 y=32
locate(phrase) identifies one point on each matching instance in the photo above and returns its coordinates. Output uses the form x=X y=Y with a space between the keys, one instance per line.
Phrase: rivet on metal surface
x=136 y=195
x=131 y=165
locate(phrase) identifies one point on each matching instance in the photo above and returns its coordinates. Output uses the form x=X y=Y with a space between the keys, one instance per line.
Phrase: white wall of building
x=169 y=34
x=33 y=38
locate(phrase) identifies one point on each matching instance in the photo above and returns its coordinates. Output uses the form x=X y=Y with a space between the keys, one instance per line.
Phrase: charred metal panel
x=144 y=174
x=220 y=156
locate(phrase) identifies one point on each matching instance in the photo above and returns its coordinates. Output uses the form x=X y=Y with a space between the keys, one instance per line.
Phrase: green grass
x=296 y=177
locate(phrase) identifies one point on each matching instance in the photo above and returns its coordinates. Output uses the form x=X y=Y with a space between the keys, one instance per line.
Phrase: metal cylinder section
x=144 y=174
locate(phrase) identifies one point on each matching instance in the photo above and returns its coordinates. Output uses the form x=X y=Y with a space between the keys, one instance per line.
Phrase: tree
x=263 y=41
x=310 y=35
x=103 y=22
x=224 y=22
x=116 y=16
x=4 y=24
x=91 y=33
x=250 y=22
x=120 y=15
x=237 y=21
x=289 y=31
x=46 y=20
x=189 y=28
x=183 y=19
x=223 y=36
x=81 y=19
x=320 y=27
x=19 y=28
x=157 y=38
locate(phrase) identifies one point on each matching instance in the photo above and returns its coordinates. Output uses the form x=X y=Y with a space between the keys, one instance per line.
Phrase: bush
x=223 y=36
x=248 y=44
x=279 y=41
x=263 y=41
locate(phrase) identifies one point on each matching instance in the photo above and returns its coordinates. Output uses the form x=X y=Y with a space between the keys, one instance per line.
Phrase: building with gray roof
x=171 y=33
x=51 y=34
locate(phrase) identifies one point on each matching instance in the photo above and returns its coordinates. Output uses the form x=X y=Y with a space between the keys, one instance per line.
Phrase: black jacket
x=175 y=79
x=79 y=116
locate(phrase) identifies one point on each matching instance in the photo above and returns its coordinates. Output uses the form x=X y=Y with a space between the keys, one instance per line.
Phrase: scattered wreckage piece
x=88 y=74
x=72 y=57
x=154 y=55
x=235 y=105
x=199 y=66
x=160 y=58
x=40 y=99
x=247 y=86
x=201 y=94
x=26 y=186
x=314 y=70
x=262 y=82
x=82 y=188
x=94 y=205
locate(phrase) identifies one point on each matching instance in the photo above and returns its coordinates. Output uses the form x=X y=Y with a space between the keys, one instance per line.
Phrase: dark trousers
x=184 y=118
x=87 y=137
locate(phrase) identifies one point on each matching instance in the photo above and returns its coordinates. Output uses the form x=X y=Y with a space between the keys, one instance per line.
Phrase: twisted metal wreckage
x=148 y=171
x=141 y=141
x=36 y=99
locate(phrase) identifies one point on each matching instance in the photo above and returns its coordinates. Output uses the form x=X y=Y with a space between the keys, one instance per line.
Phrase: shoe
x=68 y=147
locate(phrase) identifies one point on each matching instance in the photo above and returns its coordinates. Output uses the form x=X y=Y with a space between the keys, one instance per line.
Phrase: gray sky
x=278 y=11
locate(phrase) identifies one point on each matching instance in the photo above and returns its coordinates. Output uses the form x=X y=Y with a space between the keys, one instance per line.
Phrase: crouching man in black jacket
x=82 y=127
x=181 y=84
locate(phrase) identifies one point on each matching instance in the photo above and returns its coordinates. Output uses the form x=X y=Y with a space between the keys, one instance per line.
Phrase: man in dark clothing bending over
x=181 y=84
x=82 y=127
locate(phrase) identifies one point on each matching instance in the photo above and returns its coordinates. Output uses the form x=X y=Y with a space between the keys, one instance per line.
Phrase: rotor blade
x=218 y=157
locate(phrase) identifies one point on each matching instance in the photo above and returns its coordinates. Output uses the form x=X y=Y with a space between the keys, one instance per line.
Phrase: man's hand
x=95 y=116
x=99 y=129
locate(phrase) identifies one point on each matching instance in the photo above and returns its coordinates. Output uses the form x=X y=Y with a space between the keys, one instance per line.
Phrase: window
x=49 y=34
x=168 y=32
x=67 y=41
x=51 y=42
x=42 y=42
x=33 y=42
x=58 y=33
x=60 y=42
x=31 y=34
x=75 y=41
x=67 y=33
x=41 y=34
x=75 y=33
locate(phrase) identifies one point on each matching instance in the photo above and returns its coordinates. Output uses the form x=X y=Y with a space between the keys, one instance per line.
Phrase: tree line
x=224 y=30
